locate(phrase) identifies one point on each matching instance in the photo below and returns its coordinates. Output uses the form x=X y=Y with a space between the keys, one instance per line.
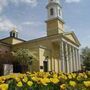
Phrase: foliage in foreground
x=86 y=57
x=46 y=81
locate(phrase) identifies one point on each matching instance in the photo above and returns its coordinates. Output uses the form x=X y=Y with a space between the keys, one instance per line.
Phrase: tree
x=86 y=57
x=24 y=58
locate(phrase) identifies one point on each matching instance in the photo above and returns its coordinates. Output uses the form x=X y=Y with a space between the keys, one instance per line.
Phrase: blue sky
x=29 y=16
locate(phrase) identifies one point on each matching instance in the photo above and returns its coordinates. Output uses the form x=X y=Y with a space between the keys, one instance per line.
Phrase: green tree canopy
x=23 y=56
x=86 y=57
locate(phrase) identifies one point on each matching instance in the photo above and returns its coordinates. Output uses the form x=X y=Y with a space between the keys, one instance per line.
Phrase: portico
x=70 y=60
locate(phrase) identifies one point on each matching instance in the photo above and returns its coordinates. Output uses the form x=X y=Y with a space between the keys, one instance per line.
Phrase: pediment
x=72 y=37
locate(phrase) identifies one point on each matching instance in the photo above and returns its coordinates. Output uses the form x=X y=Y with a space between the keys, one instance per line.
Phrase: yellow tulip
x=87 y=83
x=44 y=81
x=25 y=79
x=69 y=76
x=63 y=86
x=19 y=84
x=72 y=83
x=4 y=87
x=30 y=83
x=54 y=80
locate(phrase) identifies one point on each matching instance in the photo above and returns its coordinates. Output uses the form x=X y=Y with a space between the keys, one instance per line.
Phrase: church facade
x=58 y=51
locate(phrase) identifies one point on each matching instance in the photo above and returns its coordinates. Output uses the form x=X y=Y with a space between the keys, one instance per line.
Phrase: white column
x=60 y=57
x=70 y=59
x=67 y=59
x=76 y=60
x=73 y=59
x=79 y=62
x=75 y=64
x=62 y=61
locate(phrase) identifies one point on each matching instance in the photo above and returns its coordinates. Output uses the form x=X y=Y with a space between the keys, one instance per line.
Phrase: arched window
x=51 y=11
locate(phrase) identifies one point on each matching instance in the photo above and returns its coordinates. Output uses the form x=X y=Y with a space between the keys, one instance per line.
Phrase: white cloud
x=6 y=24
x=29 y=2
x=32 y=23
x=4 y=3
x=32 y=2
x=72 y=1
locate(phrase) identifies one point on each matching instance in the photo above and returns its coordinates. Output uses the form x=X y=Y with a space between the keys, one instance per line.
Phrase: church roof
x=70 y=36
x=7 y=39
x=5 y=44
x=14 y=38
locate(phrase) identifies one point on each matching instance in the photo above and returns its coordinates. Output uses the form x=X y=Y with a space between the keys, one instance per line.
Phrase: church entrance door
x=45 y=63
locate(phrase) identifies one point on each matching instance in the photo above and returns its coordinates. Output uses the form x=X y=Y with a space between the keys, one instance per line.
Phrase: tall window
x=51 y=11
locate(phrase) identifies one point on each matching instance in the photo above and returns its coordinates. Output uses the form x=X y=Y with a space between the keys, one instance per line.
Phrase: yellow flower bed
x=46 y=81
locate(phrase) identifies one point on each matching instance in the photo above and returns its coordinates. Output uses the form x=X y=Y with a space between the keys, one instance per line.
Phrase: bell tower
x=55 y=23
x=14 y=33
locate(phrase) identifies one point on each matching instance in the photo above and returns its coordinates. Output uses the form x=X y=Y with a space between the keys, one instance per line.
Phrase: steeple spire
x=54 y=21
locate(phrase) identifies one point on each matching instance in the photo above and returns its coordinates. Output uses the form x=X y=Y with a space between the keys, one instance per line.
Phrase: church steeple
x=54 y=21
x=54 y=9
x=14 y=33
